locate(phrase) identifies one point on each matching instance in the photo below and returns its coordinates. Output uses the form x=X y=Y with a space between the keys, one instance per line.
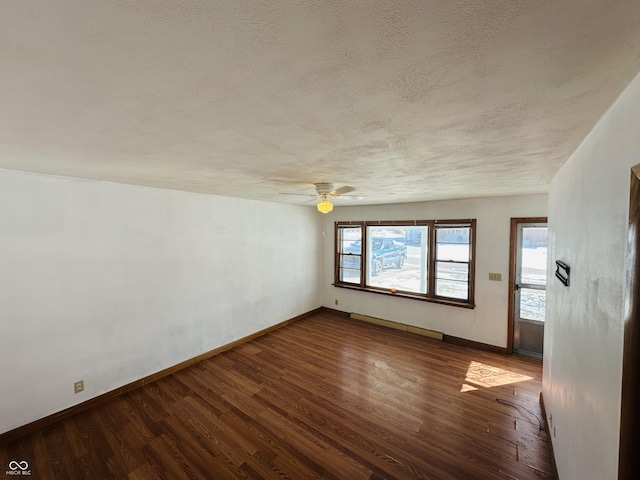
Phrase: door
x=628 y=458
x=529 y=288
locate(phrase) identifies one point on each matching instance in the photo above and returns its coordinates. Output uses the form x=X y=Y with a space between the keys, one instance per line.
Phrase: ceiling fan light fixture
x=325 y=206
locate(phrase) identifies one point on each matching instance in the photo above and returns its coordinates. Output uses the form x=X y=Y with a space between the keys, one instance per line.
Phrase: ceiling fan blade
x=341 y=191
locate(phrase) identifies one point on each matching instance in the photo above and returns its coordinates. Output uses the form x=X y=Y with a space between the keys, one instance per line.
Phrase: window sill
x=424 y=298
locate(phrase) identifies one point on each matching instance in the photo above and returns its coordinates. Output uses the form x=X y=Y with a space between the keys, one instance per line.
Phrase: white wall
x=487 y=323
x=109 y=283
x=588 y=219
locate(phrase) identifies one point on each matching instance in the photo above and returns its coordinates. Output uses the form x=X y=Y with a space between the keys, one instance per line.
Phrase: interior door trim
x=513 y=251
x=628 y=458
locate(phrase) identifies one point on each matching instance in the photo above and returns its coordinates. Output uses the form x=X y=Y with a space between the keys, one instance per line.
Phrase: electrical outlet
x=495 y=276
x=78 y=386
x=336 y=301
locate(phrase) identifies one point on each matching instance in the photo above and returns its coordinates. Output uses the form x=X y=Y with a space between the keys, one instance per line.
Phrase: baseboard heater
x=397 y=326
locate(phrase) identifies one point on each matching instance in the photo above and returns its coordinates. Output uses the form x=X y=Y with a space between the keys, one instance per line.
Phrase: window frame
x=433 y=227
x=339 y=254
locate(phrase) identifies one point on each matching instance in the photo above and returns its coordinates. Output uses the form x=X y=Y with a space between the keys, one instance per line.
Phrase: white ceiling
x=404 y=100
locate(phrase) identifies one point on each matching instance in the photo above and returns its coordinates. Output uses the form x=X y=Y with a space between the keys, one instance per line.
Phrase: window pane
x=350 y=240
x=452 y=251
x=452 y=271
x=453 y=235
x=349 y=275
x=397 y=257
x=451 y=288
x=534 y=255
x=452 y=244
x=532 y=304
x=349 y=270
x=350 y=261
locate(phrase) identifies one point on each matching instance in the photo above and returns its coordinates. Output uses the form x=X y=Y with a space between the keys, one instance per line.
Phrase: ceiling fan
x=325 y=192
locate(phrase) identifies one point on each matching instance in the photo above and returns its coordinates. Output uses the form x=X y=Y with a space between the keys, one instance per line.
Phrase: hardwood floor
x=326 y=397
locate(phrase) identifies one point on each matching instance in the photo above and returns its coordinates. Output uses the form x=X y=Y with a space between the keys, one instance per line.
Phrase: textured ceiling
x=405 y=101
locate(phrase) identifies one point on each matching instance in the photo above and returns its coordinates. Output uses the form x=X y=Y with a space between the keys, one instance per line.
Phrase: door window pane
x=534 y=255
x=532 y=304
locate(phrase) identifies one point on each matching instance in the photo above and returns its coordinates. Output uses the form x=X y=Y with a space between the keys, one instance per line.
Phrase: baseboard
x=379 y=321
x=548 y=432
x=425 y=332
x=42 y=422
x=397 y=326
x=463 y=342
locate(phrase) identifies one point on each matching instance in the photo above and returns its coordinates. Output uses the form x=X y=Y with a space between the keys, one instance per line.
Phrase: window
x=398 y=258
x=349 y=254
x=452 y=261
x=430 y=260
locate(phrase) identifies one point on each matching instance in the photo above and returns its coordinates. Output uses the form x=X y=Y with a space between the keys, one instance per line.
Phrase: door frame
x=628 y=459
x=513 y=252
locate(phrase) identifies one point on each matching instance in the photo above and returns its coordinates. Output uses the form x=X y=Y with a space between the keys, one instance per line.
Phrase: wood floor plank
x=325 y=397
x=314 y=448
x=123 y=460
x=59 y=456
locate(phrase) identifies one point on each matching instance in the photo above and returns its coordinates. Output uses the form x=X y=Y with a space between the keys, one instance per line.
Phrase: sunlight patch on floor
x=488 y=376
x=467 y=388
